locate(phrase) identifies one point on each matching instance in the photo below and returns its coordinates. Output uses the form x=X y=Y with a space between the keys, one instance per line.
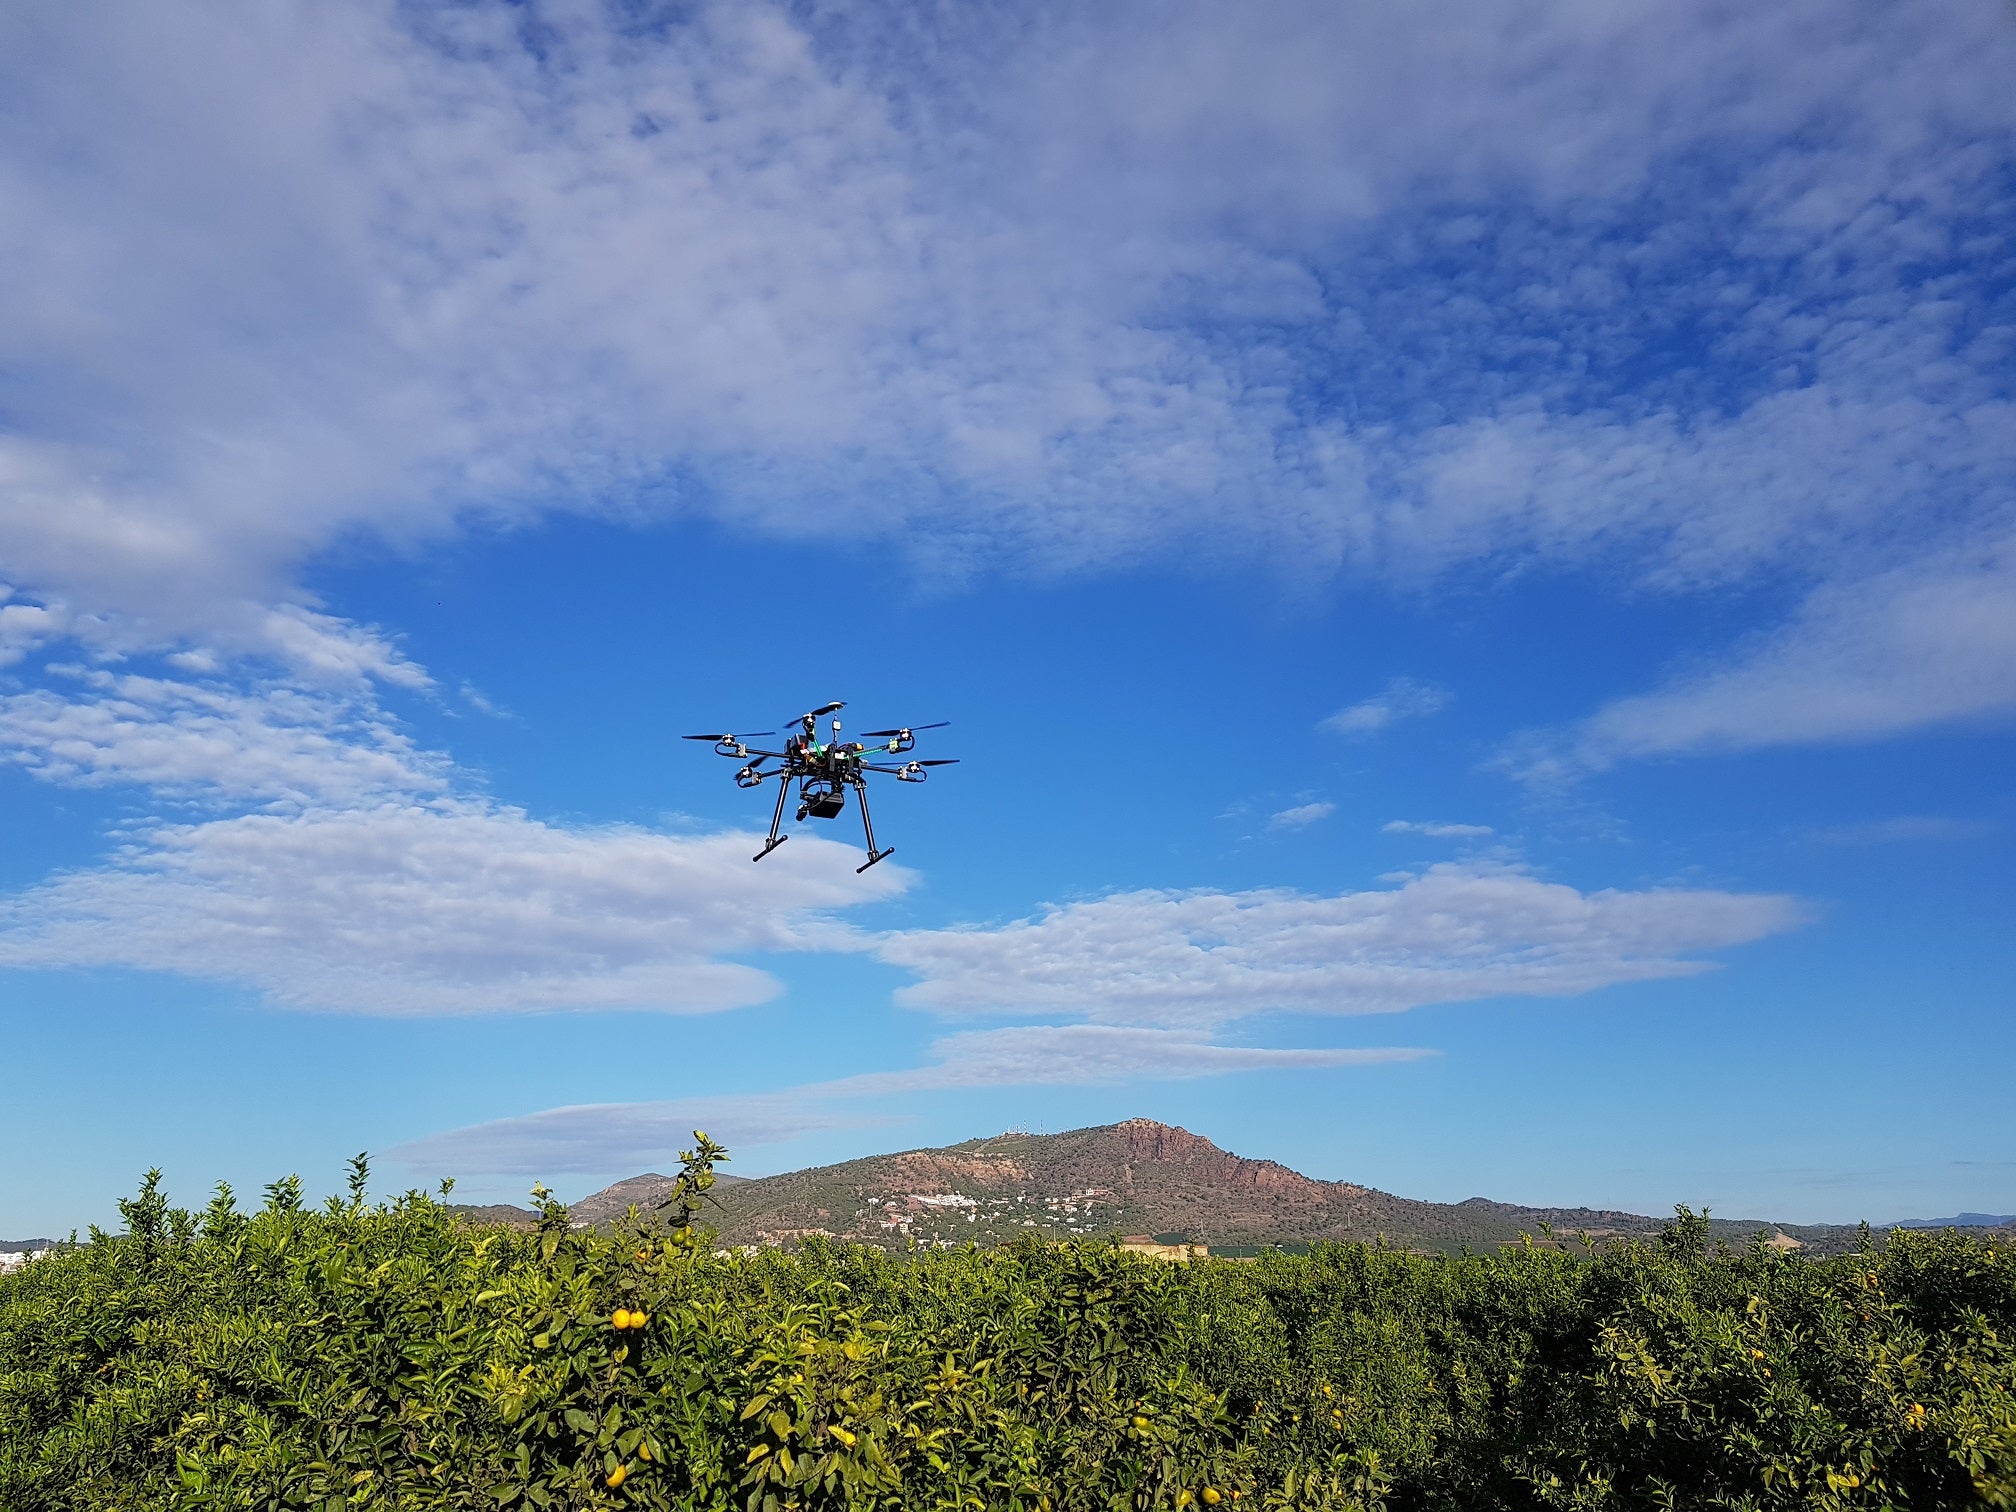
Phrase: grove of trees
x=396 y=1356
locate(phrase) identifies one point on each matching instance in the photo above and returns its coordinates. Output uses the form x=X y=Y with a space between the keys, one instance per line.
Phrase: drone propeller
x=913 y=771
x=750 y=736
x=833 y=707
x=907 y=729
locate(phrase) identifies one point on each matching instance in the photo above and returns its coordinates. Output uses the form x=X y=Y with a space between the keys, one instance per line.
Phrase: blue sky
x=1470 y=552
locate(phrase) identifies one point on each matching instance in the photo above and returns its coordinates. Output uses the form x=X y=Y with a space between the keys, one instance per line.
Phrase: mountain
x=1136 y=1177
x=17 y=1246
x=643 y=1192
x=1961 y=1220
x=494 y=1214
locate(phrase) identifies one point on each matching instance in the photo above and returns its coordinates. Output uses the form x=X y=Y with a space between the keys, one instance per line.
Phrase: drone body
x=824 y=772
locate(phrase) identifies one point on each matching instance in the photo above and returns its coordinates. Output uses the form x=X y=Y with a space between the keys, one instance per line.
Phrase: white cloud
x=1905 y=829
x=1088 y=1055
x=1811 y=480
x=23 y=627
x=1454 y=933
x=454 y=907
x=334 y=650
x=1402 y=698
x=1437 y=831
x=1930 y=643
x=481 y=702
x=617 y=1136
x=274 y=743
x=1302 y=816
x=1056 y=293
x=372 y=881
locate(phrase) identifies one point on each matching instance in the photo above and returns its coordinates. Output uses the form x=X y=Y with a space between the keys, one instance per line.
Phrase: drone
x=825 y=772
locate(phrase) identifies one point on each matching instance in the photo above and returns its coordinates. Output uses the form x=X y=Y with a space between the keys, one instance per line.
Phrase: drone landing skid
x=868 y=828
x=776 y=818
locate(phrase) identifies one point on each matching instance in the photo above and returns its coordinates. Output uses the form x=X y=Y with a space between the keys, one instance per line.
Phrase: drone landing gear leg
x=775 y=840
x=861 y=792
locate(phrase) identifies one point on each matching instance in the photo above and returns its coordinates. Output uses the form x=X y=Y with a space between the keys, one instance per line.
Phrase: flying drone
x=825 y=772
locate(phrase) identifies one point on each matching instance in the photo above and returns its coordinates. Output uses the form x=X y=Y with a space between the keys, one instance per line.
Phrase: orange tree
x=358 y=1356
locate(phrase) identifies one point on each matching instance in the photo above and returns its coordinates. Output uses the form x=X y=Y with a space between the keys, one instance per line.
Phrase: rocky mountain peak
x=1146 y=1141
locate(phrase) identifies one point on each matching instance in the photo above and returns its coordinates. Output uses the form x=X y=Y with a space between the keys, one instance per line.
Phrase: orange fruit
x=617 y=1476
x=644 y=1451
x=638 y=1319
x=1211 y=1496
x=622 y=1318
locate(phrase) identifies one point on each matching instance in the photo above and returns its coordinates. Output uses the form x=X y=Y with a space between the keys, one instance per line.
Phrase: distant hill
x=1136 y=1177
x=645 y=1192
x=501 y=1214
x=1962 y=1220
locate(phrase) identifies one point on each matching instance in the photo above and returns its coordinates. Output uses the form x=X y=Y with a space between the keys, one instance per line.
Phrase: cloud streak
x=1905 y=829
x=602 y=1137
x=1454 y=933
x=1301 y=816
x=1436 y=831
x=1929 y=644
x=1402 y=698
